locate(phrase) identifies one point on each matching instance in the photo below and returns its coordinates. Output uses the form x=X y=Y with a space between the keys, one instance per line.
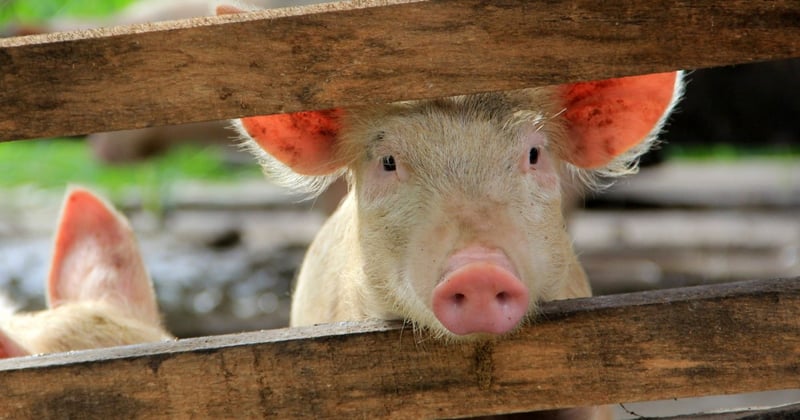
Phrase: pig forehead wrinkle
x=493 y=107
x=436 y=127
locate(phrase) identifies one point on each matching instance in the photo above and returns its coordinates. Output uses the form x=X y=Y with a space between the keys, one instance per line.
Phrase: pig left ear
x=607 y=118
x=96 y=258
x=303 y=141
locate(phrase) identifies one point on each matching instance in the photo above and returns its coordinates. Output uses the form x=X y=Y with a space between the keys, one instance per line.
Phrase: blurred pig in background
x=98 y=291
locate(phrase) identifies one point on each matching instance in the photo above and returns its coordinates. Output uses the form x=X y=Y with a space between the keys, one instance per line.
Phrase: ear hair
x=309 y=185
x=628 y=162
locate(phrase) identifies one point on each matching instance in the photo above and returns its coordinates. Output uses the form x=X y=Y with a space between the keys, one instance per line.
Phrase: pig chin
x=480 y=293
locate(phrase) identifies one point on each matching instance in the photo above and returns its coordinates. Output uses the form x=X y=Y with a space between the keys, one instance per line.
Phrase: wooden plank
x=730 y=338
x=356 y=53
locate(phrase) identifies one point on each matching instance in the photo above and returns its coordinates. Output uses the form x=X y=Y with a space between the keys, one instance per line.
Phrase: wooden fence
x=730 y=338
x=644 y=346
x=344 y=54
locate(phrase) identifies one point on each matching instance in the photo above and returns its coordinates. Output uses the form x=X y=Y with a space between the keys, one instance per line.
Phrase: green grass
x=53 y=164
x=727 y=152
x=31 y=11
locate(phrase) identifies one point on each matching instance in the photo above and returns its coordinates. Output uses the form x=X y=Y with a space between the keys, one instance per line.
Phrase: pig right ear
x=96 y=258
x=9 y=347
x=608 y=118
x=303 y=141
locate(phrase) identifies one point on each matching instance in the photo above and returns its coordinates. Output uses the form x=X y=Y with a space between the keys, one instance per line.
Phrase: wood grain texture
x=363 y=52
x=730 y=338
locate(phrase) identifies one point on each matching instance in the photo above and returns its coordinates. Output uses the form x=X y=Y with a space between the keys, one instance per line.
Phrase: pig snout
x=480 y=292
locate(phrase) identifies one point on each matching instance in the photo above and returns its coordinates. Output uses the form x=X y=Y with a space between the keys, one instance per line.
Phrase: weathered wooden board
x=699 y=341
x=362 y=52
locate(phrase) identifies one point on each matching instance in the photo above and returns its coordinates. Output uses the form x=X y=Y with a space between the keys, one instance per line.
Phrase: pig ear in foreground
x=96 y=258
x=616 y=117
x=297 y=150
x=303 y=141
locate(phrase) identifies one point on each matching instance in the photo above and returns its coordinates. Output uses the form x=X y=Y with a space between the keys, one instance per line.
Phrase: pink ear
x=608 y=117
x=9 y=347
x=95 y=257
x=304 y=141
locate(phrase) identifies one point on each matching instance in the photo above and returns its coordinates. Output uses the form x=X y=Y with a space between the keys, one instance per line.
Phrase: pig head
x=99 y=293
x=453 y=218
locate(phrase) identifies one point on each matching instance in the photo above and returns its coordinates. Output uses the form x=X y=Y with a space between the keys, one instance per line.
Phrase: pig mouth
x=480 y=293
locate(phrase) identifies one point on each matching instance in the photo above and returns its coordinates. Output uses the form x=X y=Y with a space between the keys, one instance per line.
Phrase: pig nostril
x=458 y=298
x=502 y=297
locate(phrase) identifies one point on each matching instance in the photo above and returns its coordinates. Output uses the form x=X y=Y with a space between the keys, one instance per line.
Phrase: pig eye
x=533 y=156
x=388 y=163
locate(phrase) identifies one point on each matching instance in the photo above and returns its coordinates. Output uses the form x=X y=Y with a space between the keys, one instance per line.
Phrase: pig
x=98 y=291
x=452 y=220
x=453 y=216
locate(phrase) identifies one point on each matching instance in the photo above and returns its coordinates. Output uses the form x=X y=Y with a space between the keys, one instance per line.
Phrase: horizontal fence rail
x=708 y=340
x=363 y=52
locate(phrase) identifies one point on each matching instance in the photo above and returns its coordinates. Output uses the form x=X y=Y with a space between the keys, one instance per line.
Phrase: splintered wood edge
x=640 y=346
x=361 y=53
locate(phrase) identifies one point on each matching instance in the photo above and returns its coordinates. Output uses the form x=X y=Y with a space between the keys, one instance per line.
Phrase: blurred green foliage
x=730 y=152
x=53 y=164
x=31 y=11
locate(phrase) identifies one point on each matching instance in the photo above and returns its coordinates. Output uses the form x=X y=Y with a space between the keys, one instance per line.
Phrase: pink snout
x=480 y=297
